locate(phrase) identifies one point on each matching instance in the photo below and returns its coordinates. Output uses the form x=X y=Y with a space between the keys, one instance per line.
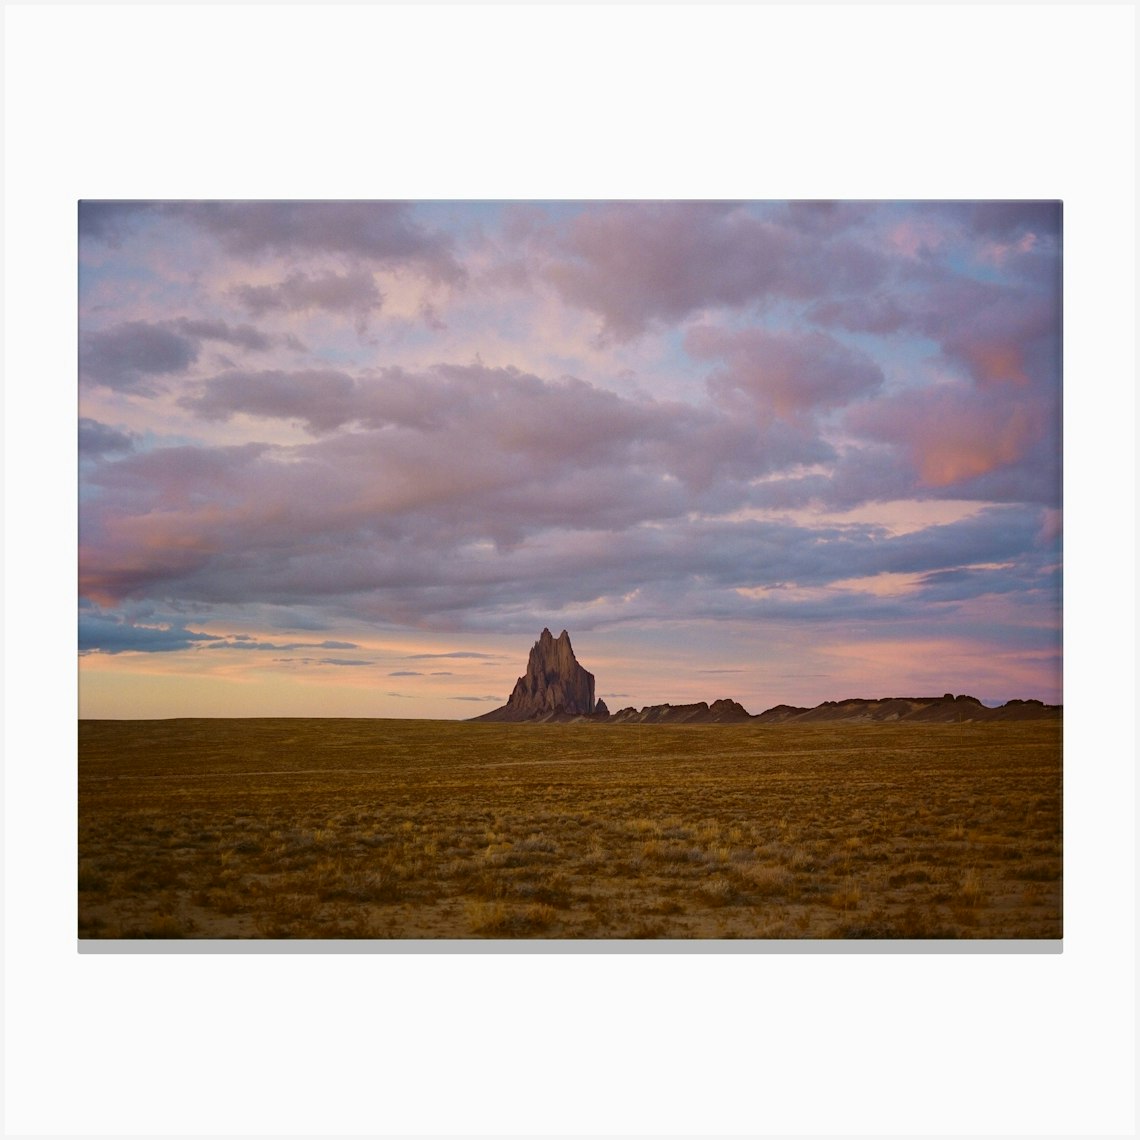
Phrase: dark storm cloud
x=126 y=356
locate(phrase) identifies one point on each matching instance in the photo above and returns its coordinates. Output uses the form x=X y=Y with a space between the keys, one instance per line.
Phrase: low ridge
x=947 y=709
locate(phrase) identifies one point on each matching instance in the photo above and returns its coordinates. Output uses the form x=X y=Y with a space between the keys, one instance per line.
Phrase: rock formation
x=556 y=688
x=720 y=712
x=947 y=709
x=554 y=684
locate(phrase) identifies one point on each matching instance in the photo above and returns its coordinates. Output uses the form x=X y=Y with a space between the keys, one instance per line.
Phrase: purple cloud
x=127 y=355
x=384 y=232
x=639 y=263
x=353 y=293
x=321 y=399
x=96 y=439
x=958 y=439
x=240 y=336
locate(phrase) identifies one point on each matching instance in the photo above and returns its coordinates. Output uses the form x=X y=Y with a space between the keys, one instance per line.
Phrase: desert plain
x=404 y=829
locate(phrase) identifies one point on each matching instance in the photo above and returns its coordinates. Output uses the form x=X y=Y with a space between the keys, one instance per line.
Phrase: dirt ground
x=291 y=828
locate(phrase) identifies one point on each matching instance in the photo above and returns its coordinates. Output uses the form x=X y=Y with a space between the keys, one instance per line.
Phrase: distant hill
x=719 y=712
x=946 y=709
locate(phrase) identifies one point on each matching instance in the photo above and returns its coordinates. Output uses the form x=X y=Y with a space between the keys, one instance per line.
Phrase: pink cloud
x=998 y=252
x=915 y=237
x=953 y=433
x=788 y=373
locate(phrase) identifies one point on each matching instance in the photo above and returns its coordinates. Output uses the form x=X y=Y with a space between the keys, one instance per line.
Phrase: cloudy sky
x=350 y=458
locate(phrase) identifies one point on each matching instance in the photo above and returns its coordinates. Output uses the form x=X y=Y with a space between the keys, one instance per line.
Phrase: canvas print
x=570 y=570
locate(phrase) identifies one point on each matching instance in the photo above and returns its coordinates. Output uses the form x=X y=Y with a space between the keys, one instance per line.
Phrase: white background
x=576 y=101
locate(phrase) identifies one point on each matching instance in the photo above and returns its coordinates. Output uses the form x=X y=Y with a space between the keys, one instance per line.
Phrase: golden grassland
x=294 y=828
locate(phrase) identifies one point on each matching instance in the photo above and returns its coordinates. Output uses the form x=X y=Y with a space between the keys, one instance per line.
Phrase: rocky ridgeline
x=556 y=688
x=947 y=709
x=719 y=712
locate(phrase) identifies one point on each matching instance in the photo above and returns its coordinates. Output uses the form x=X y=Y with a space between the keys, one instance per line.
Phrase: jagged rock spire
x=554 y=682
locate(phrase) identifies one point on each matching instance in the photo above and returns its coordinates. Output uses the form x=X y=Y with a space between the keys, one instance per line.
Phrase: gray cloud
x=785 y=373
x=637 y=263
x=352 y=293
x=430 y=497
x=148 y=629
x=110 y=221
x=126 y=356
x=375 y=526
x=384 y=232
x=241 y=336
x=463 y=434
x=97 y=438
x=1011 y=219
x=106 y=632
x=321 y=399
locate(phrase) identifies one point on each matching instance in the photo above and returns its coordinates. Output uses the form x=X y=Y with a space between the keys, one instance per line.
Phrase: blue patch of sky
x=123 y=275
x=458 y=215
x=671 y=373
x=907 y=360
x=964 y=265
x=344 y=353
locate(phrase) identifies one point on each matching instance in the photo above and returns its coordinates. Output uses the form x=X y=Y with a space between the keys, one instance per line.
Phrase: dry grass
x=430 y=829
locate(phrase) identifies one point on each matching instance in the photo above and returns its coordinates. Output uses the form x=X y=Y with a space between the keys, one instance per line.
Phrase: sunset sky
x=349 y=458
